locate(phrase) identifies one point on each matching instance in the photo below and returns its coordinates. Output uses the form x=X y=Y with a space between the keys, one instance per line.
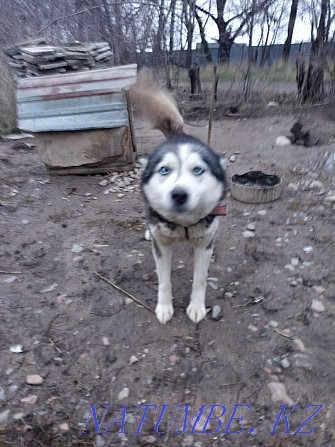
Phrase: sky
x=302 y=29
x=301 y=33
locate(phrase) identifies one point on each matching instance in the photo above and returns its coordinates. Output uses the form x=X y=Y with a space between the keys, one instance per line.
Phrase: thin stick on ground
x=254 y=392
x=211 y=107
x=243 y=305
x=141 y=303
x=284 y=335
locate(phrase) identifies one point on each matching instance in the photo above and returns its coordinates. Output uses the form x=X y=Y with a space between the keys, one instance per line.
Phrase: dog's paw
x=196 y=312
x=147 y=235
x=164 y=312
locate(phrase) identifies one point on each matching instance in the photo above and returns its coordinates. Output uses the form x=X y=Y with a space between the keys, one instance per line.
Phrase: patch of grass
x=225 y=73
x=128 y=224
x=278 y=72
x=131 y=224
x=7 y=98
x=294 y=205
x=59 y=217
x=97 y=223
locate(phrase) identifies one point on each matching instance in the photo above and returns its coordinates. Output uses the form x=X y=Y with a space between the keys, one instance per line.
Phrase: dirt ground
x=91 y=345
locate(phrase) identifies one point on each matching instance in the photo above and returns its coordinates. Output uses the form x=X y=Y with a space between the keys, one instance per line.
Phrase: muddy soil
x=92 y=345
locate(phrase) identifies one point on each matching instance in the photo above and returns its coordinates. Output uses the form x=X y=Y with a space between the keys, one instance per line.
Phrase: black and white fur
x=182 y=182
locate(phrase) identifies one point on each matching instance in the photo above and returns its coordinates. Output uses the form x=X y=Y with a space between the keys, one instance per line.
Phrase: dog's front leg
x=196 y=310
x=163 y=255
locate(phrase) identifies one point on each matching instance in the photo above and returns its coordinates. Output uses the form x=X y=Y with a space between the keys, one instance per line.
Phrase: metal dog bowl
x=255 y=187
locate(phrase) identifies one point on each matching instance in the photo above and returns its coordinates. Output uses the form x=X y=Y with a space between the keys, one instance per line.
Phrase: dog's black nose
x=179 y=196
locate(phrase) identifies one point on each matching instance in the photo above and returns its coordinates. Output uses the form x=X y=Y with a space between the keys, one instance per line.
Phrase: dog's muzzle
x=179 y=198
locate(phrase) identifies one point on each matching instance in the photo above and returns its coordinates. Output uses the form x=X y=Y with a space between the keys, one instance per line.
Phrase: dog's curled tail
x=157 y=106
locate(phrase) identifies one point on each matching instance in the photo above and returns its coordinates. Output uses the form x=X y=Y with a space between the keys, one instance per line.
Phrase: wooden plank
x=52 y=65
x=37 y=59
x=38 y=50
x=72 y=91
x=32 y=42
x=16 y=65
x=76 y=55
x=103 y=49
x=14 y=49
x=106 y=74
x=103 y=56
x=117 y=166
x=75 y=64
x=131 y=120
x=78 y=49
x=83 y=148
x=97 y=45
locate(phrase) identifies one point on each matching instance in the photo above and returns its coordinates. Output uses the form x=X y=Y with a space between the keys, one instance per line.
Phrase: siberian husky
x=183 y=181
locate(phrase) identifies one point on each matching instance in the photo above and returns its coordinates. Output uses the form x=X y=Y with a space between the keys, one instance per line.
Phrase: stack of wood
x=36 y=58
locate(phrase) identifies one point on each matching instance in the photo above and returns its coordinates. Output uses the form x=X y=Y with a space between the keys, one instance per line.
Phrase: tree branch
x=65 y=17
x=91 y=9
x=209 y=14
x=248 y=15
x=203 y=38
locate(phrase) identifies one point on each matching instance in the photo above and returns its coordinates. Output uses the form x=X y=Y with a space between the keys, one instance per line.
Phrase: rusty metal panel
x=92 y=112
x=84 y=100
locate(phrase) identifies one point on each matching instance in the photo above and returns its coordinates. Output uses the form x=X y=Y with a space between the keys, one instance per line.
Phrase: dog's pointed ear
x=223 y=162
x=143 y=162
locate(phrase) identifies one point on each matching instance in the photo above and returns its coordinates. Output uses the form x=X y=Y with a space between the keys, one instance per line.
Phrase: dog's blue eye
x=164 y=170
x=198 y=171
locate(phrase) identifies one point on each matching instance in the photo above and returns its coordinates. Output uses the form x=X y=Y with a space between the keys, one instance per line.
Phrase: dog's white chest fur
x=198 y=234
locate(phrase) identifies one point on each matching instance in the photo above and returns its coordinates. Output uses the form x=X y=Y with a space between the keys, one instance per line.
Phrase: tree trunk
x=171 y=45
x=117 y=34
x=265 y=49
x=290 y=29
x=189 y=23
x=247 y=79
x=194 y=74
x=312 y=89
x=111 y=32
x=224 y=50
x=173 y=18
x=189 y=55
x=193 y=70
x=204 y=42
x=159 y=59
x=225 y=41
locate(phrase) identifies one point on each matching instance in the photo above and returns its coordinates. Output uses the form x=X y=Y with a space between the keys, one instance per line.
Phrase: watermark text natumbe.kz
x=183 y=420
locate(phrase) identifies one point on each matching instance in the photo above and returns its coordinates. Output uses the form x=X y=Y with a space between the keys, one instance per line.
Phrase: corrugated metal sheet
x=84 y=100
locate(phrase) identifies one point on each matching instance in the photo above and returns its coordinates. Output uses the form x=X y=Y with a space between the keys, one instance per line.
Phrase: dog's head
x=183 y=180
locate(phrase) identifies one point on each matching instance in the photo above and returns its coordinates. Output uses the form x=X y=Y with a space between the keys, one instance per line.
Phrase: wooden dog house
x=83 y=120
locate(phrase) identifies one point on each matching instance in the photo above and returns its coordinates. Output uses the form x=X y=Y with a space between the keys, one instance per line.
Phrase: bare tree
x=311 y=79
x=204 y=42
x=290 y=29
x=270 y=25
x=231 y=20
x=247 y=78
x=158 y=44
x=111 y=30
x=172 y=26
x=189 y=21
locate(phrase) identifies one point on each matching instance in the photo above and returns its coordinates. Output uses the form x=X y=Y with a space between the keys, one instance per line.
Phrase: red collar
x=219 y=211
